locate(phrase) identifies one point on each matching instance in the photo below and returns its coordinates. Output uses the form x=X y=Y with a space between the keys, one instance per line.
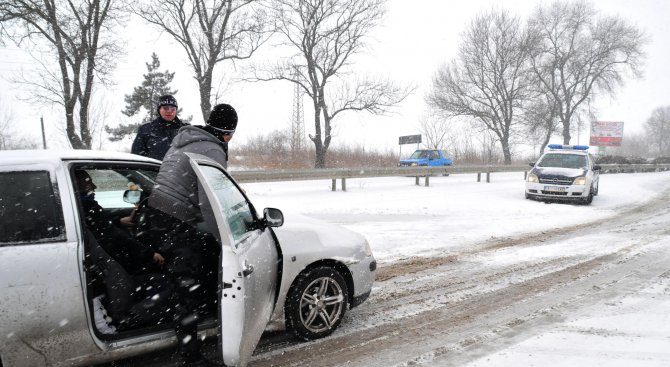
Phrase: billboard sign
x=410 y=139
x=606 y=133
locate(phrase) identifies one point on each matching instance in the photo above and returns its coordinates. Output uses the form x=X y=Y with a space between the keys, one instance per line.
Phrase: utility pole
x=44 y=138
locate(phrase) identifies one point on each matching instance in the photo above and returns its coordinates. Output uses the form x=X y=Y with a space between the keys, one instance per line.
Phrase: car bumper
x=556 y=192
x=363 y=275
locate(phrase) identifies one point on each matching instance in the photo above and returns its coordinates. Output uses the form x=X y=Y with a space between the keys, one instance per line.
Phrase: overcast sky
x=414 y=39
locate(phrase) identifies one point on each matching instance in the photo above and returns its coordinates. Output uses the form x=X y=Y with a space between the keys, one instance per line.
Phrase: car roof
x=55 y=156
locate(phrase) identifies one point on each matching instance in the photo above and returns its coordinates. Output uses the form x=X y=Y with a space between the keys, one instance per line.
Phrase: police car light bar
x=573 y=147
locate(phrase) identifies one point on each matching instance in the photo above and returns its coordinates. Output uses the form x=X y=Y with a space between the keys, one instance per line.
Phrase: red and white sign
x=606 y=133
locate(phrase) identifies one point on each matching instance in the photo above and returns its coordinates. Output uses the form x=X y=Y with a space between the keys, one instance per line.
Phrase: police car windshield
x=563 y=160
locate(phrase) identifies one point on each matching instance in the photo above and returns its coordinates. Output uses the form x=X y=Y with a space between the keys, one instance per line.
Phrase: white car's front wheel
x=316 y=303
x=589 y=198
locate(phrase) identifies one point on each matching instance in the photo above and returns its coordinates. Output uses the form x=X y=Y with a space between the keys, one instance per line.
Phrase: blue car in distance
x=427 y=157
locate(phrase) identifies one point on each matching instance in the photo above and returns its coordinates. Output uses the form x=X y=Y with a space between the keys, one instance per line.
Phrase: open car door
x=248 y=274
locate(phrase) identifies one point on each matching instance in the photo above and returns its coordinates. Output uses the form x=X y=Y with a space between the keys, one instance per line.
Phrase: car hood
x=558 y=171
x=301 y=235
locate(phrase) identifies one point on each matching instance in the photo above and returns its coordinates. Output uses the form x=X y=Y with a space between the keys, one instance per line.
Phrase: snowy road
x=473 y=274
x=476 y=304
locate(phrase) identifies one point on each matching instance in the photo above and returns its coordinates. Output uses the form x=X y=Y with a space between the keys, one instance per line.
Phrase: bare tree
x=657 y=129
x=209 y=31
x=488 y=141
x=9 y=137
x=636 y=145
x=78 y=38
x=541 y=119
x=326 y=35
x=489 y=79
x=578 y=52
x=436 y=130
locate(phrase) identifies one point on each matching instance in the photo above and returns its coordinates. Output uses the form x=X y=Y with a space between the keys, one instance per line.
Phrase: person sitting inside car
x=137 y=294
x=133 y=255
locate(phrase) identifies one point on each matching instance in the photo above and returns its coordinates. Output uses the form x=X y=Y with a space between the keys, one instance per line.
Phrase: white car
x=305 y=274
x=565 y=173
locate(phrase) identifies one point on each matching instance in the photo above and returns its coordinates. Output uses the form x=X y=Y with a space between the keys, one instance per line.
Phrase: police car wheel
x=589 y=198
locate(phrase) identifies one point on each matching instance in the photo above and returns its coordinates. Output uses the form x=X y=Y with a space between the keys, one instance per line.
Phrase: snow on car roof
x=55 y=156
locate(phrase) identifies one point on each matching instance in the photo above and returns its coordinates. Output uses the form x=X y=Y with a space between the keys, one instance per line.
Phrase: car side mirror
x=273 y=217
x=597 y=168
x=132 y=196
x=532 y=164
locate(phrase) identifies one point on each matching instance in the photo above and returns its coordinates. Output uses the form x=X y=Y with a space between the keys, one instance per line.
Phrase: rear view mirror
x=597 y=168
x=532 y=164
x=132 y=196
x=273 y=217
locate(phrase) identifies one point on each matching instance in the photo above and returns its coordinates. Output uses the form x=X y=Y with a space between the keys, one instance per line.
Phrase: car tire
x=589 y=198
x=595 y=193
x=316 y=303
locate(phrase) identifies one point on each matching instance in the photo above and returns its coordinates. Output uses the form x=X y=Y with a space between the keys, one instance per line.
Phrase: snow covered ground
x=402 y=220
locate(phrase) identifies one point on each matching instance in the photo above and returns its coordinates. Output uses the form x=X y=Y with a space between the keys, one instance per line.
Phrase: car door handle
x=248 y=269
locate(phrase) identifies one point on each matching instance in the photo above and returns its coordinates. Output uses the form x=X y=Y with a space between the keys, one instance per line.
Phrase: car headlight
x=580 y=181
x=368 y=249
x=532 y=178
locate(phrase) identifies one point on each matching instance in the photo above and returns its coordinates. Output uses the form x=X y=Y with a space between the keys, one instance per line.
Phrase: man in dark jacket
x=154 y=138
x=176 y=205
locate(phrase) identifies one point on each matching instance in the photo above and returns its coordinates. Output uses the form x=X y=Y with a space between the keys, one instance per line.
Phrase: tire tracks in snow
x=449 y=310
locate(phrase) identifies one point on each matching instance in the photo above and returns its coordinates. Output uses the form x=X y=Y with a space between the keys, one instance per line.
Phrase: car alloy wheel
x=317 y=303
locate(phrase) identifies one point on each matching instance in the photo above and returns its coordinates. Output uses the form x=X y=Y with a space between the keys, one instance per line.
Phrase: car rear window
x=29 y=208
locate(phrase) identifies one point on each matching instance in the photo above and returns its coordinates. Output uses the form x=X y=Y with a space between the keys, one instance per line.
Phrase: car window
x=563 y=161
x=416 y=155
x=112 y=182
x=236 y=208
x=30 y=208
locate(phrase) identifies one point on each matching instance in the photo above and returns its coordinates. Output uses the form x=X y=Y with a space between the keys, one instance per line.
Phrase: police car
x=564 y=172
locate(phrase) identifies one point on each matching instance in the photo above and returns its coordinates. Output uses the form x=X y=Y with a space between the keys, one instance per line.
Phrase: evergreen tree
x=143 y=99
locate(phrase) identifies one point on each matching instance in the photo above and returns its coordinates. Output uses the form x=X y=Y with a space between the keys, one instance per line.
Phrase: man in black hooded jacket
x=154 y=138
x=176 y=208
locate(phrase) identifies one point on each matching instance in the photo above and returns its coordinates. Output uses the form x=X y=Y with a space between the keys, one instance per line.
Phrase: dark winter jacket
x=176 y=191
x=154 y=138
x=133 y=255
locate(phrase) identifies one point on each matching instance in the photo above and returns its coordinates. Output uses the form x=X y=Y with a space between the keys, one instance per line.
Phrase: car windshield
x=422 y=154
x=563 y=161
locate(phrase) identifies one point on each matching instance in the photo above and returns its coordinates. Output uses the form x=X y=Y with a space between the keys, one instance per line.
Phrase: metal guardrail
x=334 y=174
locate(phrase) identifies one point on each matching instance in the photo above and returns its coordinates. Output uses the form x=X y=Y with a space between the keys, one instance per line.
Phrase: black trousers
x=191 y=262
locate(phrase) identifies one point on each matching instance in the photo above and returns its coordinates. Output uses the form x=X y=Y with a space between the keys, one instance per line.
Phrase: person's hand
x=128 y=221
x=159 y=259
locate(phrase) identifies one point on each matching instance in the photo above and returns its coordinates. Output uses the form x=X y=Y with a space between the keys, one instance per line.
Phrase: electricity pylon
x=298 y=118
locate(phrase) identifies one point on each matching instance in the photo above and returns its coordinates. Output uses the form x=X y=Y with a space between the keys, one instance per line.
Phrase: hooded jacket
x=176 y=192
x=153 y=139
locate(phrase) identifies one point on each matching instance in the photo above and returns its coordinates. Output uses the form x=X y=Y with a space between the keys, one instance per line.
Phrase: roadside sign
x=606 y=133
x=410 y=139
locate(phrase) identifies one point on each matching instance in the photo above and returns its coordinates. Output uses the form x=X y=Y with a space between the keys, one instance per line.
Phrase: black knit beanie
x=166 y=100
x=223 y=118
